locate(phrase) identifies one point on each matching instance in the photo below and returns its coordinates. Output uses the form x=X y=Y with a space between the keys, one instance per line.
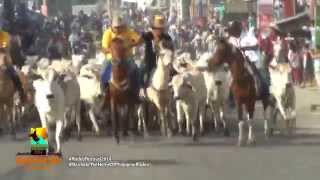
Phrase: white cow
x=190 y=92
x=68 y=81
x=217 y=81
x=49 y=100
x=71 y=89
x=90 y=90
x=77 y=62
x=183 y=63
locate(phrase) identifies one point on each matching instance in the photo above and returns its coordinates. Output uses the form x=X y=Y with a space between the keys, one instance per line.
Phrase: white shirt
x=251 y=40
x=234 y=41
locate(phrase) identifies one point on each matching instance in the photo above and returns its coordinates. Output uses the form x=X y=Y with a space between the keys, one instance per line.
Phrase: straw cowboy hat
x=117 y=21
x=4 y=39
x=158 y=22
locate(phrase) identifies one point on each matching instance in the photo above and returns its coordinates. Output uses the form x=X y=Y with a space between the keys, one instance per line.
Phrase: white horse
x=158 y=92
x=282 y=90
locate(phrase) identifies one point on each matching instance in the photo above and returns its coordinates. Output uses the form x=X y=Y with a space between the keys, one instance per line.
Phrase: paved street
x=213 y=157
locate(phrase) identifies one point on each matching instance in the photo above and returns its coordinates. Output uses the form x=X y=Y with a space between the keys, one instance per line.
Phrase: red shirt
x=266 y=45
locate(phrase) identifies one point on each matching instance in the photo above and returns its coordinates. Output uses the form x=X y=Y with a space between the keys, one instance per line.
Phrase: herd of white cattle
x=62 y=85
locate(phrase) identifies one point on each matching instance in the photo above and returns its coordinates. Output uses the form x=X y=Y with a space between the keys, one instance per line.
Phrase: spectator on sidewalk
x=308 y=69
x=295 y=63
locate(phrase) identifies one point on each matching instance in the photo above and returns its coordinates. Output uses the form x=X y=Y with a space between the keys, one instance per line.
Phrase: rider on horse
x=151 y=40
x=130 y=38
x=235 y=31
x=5 y=48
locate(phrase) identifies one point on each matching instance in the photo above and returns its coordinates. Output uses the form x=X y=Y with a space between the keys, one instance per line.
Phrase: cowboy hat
x=158 y=22
x=117 y=21
x=275 y=27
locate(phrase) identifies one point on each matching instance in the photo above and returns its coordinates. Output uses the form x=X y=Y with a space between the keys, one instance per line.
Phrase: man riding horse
x=152 y=40
x=235 y=31
x=5 y=48
x=130 y=38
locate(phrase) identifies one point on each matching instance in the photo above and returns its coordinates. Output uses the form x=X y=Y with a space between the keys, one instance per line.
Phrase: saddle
x=262 y=87
x=133 y=76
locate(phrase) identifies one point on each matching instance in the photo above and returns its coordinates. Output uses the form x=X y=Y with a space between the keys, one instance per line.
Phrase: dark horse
x=121 y=93
x=242 y=87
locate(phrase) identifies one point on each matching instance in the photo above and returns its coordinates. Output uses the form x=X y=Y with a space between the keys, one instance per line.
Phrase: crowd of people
x=88 y=35
x=139 y=52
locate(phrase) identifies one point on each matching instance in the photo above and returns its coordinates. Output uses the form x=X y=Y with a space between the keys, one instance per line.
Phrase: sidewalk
x=308 y=121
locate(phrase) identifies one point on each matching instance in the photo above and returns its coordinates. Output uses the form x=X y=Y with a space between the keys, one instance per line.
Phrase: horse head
x=118 y=49
x=222 y=52
x=166 y=54
x=279 y=55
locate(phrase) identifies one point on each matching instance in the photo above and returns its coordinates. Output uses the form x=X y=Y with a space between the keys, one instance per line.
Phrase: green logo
x=38 y=141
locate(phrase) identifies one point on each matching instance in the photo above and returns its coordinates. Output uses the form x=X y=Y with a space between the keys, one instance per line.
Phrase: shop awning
x=294 y=23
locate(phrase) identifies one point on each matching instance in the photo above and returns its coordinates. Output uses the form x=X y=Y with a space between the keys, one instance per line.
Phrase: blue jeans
x=106 y=73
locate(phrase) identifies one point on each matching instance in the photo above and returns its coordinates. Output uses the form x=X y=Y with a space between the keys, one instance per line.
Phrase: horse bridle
x=234 y=50
x=124 y=85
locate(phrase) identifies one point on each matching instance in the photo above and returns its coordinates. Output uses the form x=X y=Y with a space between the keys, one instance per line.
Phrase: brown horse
x=22 y=110
x=7 y=90
x=120 y=93
x=242 y=86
